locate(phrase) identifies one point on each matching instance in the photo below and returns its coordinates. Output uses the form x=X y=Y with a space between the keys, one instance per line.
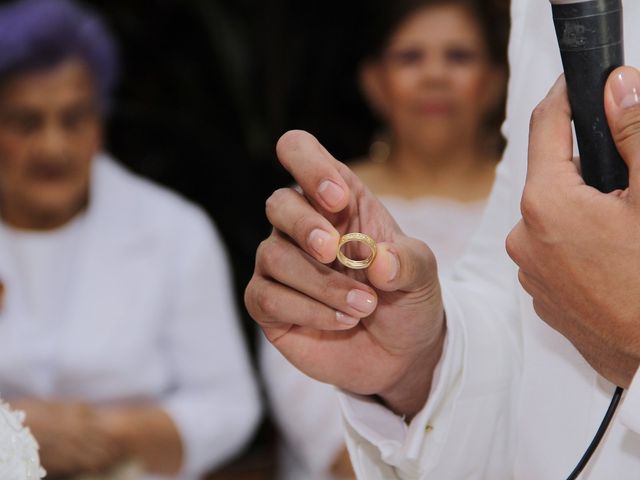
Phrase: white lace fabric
x=19 y=459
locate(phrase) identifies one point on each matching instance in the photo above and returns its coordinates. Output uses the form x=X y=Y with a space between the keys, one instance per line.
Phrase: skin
x=50 y=129
x=430 y=87
x=306 y=306
x=584 y=285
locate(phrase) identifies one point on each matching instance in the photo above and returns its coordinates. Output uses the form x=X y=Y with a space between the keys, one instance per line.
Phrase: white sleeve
x=306 y=412
x=214 y=401
x=463 y=431
x=630 y=409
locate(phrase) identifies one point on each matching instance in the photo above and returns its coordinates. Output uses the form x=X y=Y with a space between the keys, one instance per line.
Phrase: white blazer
x=512 y=399
x=147 y=315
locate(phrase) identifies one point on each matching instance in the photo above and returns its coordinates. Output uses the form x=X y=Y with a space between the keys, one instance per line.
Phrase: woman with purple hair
x=118 y=333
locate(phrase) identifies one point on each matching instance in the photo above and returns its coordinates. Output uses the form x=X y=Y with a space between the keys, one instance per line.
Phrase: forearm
x=148 y=434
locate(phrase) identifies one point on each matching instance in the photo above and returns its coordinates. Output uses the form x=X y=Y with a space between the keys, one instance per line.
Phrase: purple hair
x=40 y=34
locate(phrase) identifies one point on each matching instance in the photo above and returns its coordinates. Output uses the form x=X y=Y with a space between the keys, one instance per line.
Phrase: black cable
x=599 y=434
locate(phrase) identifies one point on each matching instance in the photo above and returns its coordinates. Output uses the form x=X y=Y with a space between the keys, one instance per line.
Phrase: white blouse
x=130 y=303
x=306 y=411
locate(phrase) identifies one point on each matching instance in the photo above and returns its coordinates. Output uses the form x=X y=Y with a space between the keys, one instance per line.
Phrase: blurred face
x=49 y=131
x=435 y=83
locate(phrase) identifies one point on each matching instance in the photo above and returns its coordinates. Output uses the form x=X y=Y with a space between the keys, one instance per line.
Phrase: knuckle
x=249 y=296
x=266 y=302
x=262 y=246
x=274 y=201
x=419 y=263
x=426 y=253
x=512 y=246
x=538 y=114
x=300 y=228
x=530 y=207
x=411 y=269
x=330 y=287
x=515 y=244
x=269 y=254
x=524 y=281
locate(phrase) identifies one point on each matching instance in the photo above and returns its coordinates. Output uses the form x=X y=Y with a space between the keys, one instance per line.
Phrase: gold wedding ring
x=357 y=237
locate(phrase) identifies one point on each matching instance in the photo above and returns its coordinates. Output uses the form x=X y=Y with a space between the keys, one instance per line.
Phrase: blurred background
x=209 y=86
x=206 y=89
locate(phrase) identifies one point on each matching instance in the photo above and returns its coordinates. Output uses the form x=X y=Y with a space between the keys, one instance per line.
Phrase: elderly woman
x=118 y=333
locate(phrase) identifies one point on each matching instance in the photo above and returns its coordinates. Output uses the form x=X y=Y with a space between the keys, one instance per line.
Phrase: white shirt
x=311 y=442
x=512 y=398
x=131 y=302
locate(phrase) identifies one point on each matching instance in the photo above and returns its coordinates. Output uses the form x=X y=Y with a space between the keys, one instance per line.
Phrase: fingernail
x=331 y=193
x=346 y=319
x=362 y=301
x=394 y=266
x=626 y=88
x=317 y=239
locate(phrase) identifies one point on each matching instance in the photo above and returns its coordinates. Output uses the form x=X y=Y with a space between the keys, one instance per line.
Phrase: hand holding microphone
x=574 y=245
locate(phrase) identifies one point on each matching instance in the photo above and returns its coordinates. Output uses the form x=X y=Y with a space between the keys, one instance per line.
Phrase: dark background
x=207 y=88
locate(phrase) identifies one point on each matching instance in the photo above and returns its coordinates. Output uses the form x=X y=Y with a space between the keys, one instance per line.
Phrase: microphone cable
x=615 y=401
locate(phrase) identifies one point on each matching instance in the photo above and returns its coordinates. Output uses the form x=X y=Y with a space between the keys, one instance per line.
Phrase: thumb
x=406 y=265
x=622 y=104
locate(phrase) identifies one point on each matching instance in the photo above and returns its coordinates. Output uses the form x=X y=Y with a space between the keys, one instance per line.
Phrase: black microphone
x=590 y=36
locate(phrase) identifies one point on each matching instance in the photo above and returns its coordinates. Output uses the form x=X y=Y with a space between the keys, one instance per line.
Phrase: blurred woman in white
x=436 y=77
x=118 y=333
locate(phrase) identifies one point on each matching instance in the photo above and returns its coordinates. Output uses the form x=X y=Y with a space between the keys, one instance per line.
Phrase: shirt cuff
x=630 y=409
x=418 y=444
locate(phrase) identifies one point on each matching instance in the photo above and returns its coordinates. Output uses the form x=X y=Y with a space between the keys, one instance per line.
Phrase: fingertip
x=314 y=169
x=293 y=140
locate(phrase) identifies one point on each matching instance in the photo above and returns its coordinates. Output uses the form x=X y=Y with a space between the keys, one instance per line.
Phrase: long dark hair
x=387 y=16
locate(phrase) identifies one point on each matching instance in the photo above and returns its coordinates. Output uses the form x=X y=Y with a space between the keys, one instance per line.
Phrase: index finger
x=314 y=169
x=550 y=136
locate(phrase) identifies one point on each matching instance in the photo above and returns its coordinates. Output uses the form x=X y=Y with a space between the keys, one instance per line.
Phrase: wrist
x=409 y=395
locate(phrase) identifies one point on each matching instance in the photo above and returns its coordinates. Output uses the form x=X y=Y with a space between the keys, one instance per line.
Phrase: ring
x=357 y=237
